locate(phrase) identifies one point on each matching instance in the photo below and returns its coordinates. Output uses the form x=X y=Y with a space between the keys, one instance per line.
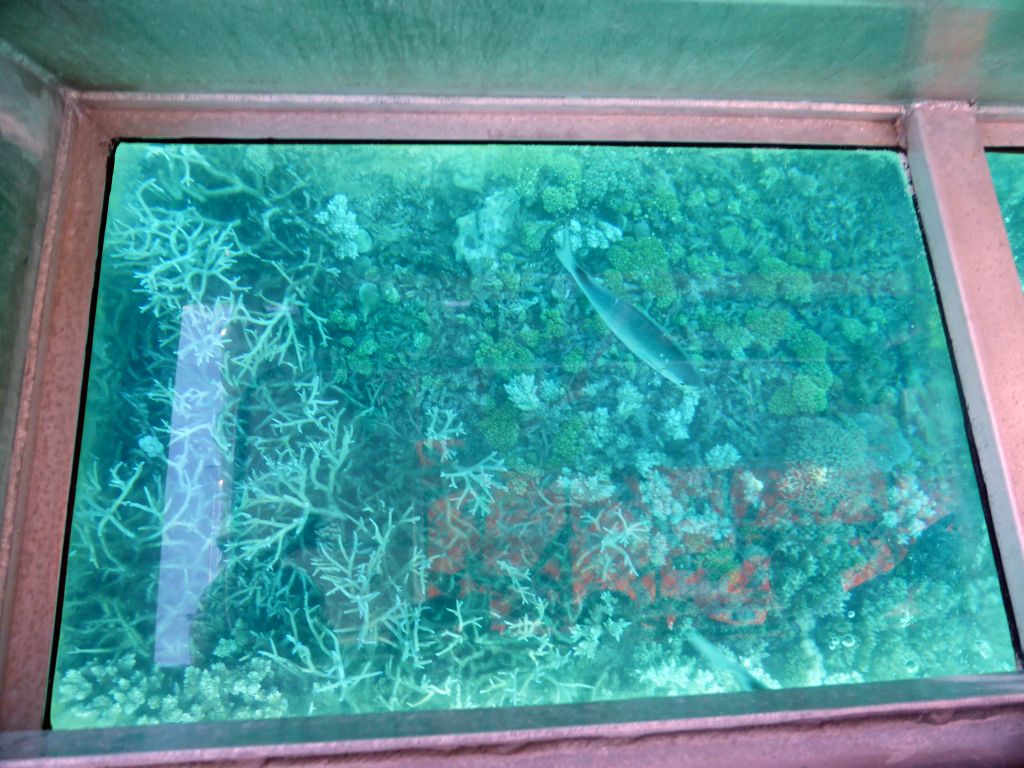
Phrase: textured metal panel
x=483 y=119
x=934 y=734
x=1002 y=134
x=1001 y=126
x=30 y=119
x=850 y=50
x=36 y=509
x=29 y=129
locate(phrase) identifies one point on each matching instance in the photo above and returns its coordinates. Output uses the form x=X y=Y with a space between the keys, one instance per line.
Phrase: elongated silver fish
x=644 y=338
x=714 y=656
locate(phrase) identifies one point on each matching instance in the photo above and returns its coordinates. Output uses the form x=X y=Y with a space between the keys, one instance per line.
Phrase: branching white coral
x=373 y=561
x=752 y=487
x=705 y=521
x=180 y=257
x=600 y=234
x=474 y=487
x=661 y=500
x=629 y=399
x=723 y=456
x=443 y=430
x=586 y=489
x=909 y=510
x=340 y=222
x=522 y=392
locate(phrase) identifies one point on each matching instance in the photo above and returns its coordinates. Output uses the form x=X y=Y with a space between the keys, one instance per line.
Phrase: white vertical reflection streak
x=198 y=486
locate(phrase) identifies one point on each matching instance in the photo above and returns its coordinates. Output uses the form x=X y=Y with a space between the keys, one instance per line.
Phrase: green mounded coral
x=569 y=441
x=553 y=325
x=828 y=442
x=504 y=356
x=767 y=326
x=806 y=345
x=643 y=261
x=665 y=203
x=559 y=201
x=802 y=395
x=574 y=362
x=734 y=240
x=776 y=278
x=499 y=425
x=854 y=331
x=734 y=337
x=345 y=321
x=533 y=234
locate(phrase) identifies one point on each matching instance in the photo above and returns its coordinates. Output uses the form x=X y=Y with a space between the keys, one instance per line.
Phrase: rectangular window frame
x=963 y=227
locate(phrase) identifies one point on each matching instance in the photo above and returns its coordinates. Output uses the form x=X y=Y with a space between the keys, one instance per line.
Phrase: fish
x=714 y=656
x=641 y=335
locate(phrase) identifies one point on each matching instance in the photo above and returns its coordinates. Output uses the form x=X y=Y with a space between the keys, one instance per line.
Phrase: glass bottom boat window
x=1008 y=176
x=386 y=427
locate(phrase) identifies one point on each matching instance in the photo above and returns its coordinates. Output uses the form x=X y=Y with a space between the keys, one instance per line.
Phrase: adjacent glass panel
x=386 y=427
x=1007 y=170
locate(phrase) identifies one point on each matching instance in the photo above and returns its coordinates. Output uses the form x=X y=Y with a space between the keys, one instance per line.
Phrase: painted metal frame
x=921 y=722
x=1001 y=127
x=983 y=306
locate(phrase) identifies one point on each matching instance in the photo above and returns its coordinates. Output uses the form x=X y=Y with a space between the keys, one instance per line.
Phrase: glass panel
x=1008 y=176
x=373 y=428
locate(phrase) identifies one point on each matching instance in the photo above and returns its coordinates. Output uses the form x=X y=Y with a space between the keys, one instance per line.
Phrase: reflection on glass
x=1007 y=170
x=197 y=488
x=385 y=427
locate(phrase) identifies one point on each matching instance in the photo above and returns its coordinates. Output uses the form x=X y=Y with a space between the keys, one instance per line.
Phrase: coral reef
x=431 y=477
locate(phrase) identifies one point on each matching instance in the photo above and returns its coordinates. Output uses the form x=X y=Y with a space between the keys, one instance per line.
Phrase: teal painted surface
x=359 y=439
x=29 y=128
x=1008 y=176
x=850 y=51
